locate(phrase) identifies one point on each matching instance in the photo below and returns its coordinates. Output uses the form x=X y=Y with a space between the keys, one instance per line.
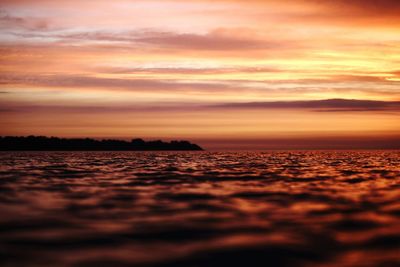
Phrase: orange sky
x=189 y=69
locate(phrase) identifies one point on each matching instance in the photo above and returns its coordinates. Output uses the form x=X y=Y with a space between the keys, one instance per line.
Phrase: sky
x=227 y=74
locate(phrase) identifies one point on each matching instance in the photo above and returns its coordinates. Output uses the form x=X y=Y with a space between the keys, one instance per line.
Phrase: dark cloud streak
x=329 y=105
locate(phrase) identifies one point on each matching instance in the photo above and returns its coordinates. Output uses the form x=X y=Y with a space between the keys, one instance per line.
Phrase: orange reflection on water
x=315 y=208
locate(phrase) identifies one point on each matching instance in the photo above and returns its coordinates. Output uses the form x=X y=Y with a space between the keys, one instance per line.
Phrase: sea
x=275 y=208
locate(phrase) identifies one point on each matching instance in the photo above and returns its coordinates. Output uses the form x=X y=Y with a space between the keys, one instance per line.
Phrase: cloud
x=396 y=73
x=370 y=13
x=367 y=77
x=76 y=81
x=365 y=13
x=132 y=85
x=328 y=105
x=208 y=88
x=187 y=70
x=213 y=40
x=209 y=41
x=367 y=6
x=299 y=11
x=357 y=78
x=18 y=107
x=8 y=22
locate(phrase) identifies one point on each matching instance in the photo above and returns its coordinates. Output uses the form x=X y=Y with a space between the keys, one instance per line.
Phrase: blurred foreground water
x=315 y=208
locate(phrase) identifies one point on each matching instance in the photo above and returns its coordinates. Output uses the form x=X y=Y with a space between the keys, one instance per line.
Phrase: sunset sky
x=226 y=74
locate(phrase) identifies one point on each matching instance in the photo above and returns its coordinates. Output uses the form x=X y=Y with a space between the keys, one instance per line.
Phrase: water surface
x=315 y=208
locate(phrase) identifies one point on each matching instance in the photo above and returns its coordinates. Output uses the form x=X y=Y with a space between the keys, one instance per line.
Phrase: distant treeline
x=42 y=143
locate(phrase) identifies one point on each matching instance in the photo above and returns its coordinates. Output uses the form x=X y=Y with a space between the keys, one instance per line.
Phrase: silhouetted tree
x=42 y=143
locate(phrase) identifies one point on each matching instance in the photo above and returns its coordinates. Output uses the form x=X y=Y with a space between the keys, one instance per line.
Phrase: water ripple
x=316 y=208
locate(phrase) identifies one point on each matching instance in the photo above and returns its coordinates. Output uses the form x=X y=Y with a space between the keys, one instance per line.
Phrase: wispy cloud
x=211 y=41
x=328 y=105
x=187 y=70
x=205 y=87
x=9 y=22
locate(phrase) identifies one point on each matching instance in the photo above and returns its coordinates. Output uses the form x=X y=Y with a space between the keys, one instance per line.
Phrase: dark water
x=200 y=209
